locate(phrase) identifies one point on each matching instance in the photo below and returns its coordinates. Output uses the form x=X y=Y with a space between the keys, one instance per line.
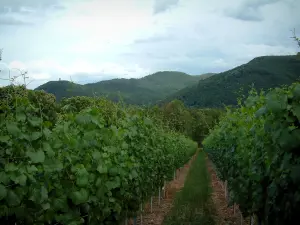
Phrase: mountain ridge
x=145 y=90
x=207 y=90
x=263 y=72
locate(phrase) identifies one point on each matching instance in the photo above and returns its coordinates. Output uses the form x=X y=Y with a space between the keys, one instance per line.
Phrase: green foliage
x=255 y=147
x=94 y=166
x=146 y=90
x=75 y=104
x=222 y=89
x=43 y=103
x=194 y=123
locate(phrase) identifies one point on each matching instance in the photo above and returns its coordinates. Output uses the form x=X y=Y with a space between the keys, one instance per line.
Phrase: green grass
x=193 y=203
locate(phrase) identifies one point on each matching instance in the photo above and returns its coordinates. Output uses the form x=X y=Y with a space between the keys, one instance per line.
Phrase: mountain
x=146 y=90
x=263 y=72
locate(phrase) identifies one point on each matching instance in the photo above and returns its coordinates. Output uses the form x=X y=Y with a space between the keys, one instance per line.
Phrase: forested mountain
x=197 y=91
x=146 y=90
x=263 y=72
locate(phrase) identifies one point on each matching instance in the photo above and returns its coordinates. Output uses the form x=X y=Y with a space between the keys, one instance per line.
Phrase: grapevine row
x=255 y=147
x=95 y=166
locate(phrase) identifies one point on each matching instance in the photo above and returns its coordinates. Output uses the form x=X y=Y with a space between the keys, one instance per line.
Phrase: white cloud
x=40 y=71
x=95 y=39
x=220 y=63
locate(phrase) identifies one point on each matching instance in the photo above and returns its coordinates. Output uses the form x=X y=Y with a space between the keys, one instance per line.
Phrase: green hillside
x=146 y=90
x=263 y=72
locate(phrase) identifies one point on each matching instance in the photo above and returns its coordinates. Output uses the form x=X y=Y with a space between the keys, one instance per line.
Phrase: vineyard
x=255 y=148
x=92 y=161
x=82 y=161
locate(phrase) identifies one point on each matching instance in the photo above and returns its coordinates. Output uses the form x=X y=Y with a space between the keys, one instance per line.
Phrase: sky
x=92 y=40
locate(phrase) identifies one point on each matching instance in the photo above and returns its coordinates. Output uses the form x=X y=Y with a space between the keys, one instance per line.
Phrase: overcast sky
x=92 y=40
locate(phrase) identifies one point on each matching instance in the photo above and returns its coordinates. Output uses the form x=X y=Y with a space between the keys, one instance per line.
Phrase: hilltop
x=222 y=89
x=206 y=90
x=145 y=90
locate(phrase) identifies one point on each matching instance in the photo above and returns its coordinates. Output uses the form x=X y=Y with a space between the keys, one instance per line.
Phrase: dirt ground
x=226 y=215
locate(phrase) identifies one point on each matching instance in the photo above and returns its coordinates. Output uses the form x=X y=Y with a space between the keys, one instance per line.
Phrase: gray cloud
x=163 y=5
x=19 y=12
x=249 y=10
x=249 y=14
x=153 y=40
x=80 y=78
x=258 y=3
x=196 y=37
x=84 y=78
x=17 y=6
x=10 y=21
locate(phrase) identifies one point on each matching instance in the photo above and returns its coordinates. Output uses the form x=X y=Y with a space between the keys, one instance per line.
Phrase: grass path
x=195 y=197
x=193 y=204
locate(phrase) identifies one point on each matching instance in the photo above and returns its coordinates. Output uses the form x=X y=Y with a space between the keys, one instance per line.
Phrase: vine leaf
x=296 y=91
x=21 y=180
x=60 y=203
x=13 y=129
x=296 y=111
x=36 y=157
x=35 y=121
x=4 y=178
x=3 y=192
x=48 y=149
x=31 y=169
x=96 y=155
x=35 y=136
x=4 y=139
x=112 y=184
x=82 y=181
x=21 y=116
x=260 y=112
x=46 y=206
x=102 y=169
x=12 y=198
x=79 y=197
x=10 y=167
x=295 y=174
x=276 y=103
x=52 y=165
x=44 y=194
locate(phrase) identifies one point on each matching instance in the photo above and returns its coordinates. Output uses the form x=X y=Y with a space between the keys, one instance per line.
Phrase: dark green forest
x=207 y=90
x=224 y=88
x=143 y=91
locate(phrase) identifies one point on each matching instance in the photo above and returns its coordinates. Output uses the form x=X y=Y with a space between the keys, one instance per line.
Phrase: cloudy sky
x=93 y=40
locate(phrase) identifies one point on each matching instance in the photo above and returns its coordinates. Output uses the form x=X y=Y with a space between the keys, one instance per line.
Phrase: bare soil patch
x=225 y=215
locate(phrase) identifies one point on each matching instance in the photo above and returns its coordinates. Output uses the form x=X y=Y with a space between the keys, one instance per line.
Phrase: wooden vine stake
x=141 y=213
x=241 y=219
x=164 y=189
x=225 y=189
x=253 y=220
x=234 y=209
x=159 y=195
x=126 y=220
x=151 y=200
